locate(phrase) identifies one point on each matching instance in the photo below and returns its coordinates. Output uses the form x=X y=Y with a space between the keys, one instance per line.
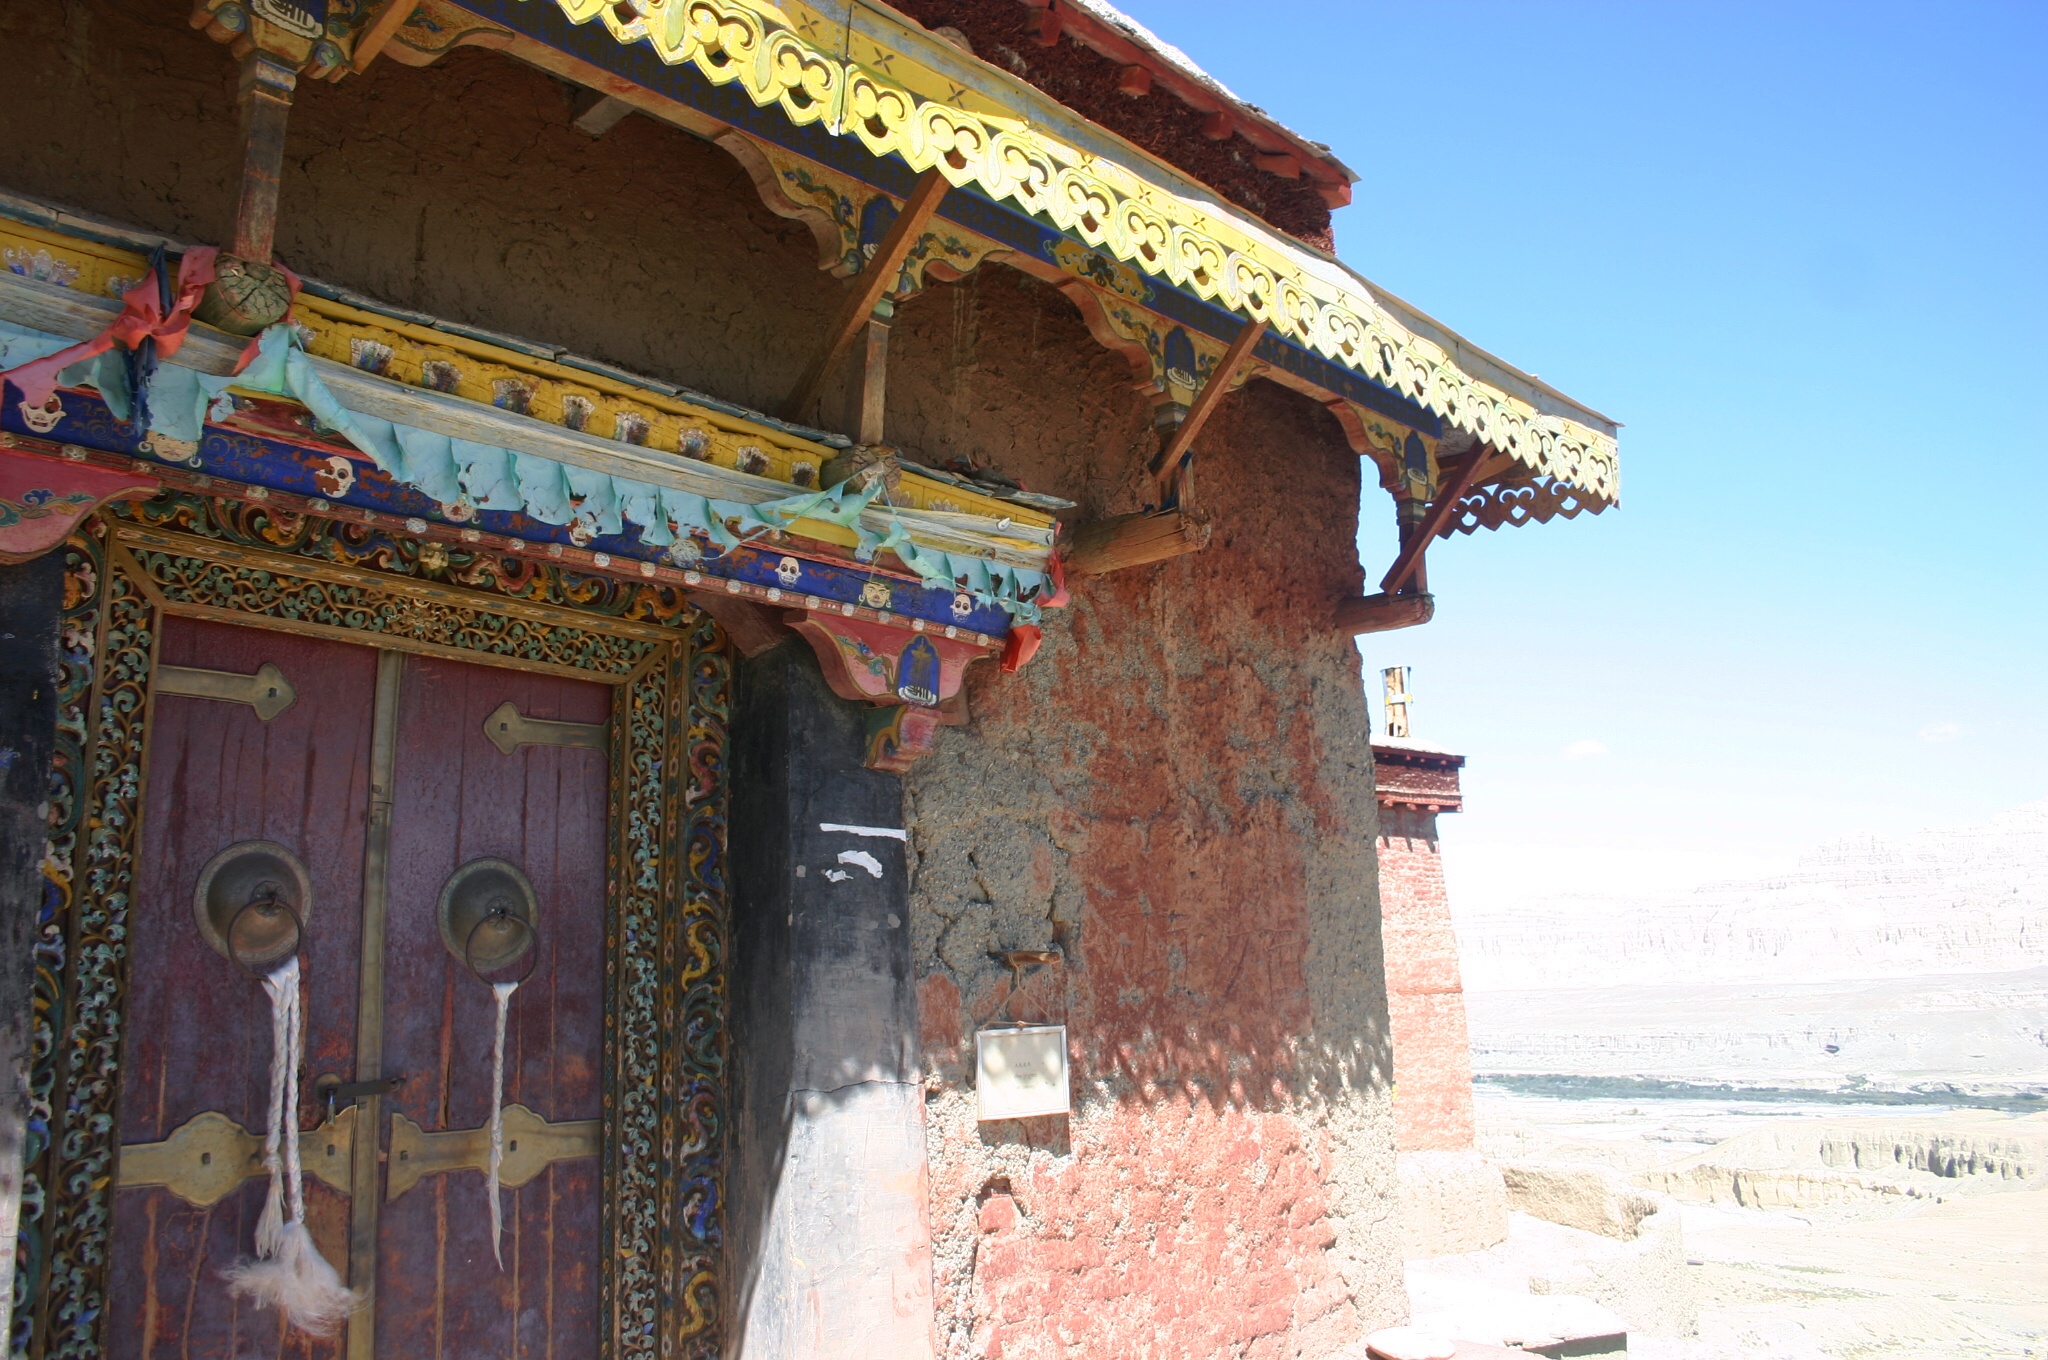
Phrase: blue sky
x=1801 y=251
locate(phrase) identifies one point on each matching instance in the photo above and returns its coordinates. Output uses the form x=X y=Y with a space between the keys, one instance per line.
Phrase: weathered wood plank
x=1134 y=540
x=1383 y=613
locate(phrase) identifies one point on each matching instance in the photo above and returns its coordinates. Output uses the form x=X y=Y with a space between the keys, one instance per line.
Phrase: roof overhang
x=881 y=100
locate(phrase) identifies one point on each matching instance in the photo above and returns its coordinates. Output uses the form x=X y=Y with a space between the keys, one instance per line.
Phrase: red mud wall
x=1425 y=999
x=1177 y=793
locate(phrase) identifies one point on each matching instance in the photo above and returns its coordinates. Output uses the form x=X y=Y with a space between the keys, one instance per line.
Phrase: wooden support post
x=266 y=100
x=1408 y=517
x=874 y=379
x=825 y=1204
x=1134 y=540
x=868 y=288
x=1409 y=563
x=1166 y=466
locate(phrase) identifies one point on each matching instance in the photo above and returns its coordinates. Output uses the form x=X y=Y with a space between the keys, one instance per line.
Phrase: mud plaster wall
x=1178 y=791
x=459 y=190
x=1178 y=794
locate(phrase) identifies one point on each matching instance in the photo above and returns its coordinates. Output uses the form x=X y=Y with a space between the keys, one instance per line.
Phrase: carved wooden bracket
x=42 y=499
x=914 y=680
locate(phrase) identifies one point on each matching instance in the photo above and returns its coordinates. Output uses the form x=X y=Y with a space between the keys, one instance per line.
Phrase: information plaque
x=1022 y=1071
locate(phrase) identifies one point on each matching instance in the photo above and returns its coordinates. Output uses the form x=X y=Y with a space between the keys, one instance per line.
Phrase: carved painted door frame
x=266 y=566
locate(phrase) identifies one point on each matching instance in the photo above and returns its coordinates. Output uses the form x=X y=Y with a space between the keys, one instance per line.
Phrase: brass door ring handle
x=267 y=905
x=489 y=916
x=528 y=948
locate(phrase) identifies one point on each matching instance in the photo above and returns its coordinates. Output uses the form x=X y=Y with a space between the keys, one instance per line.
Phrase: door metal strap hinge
x=206 y=1157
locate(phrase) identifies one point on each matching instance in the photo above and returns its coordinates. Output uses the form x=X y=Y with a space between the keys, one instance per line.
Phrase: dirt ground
x=1955 y=1266
x=1966 y=1277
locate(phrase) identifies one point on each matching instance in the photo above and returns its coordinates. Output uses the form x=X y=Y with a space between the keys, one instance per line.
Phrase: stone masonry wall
x=1177 y=792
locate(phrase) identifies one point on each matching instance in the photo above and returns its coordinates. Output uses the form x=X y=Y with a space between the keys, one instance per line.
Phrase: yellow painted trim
x=335 y=331
x=903 y=92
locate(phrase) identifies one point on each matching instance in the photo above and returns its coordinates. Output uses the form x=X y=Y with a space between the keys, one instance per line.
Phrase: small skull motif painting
x=787 y=571
x=876 y=594
x=43 y=419
x=963 y=604
x=334 y=476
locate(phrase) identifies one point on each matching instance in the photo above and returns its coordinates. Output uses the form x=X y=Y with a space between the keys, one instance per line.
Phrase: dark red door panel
x=198 y=1031
x=543 y=808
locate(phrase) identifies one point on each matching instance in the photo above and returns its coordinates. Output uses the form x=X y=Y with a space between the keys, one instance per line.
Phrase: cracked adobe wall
x=1178 y=790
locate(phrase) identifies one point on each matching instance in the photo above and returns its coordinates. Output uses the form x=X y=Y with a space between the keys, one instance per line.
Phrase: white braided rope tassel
x=289 y=1273
x=283 y=987
x=503 y=991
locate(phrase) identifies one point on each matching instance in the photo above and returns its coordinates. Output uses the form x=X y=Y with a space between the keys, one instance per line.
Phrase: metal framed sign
x=1022 y=1071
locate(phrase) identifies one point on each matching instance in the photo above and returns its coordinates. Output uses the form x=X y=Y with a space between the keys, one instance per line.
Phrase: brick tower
x=1452 y=1200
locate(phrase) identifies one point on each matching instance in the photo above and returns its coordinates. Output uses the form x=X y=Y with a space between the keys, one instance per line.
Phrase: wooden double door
x=384 y=775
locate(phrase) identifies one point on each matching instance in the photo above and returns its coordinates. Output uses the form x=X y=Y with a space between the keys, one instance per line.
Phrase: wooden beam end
x=1384 y=613
x=1135 y=540
x=598 y=113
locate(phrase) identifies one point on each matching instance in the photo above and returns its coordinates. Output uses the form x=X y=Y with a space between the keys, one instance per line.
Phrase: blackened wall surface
x=1177 y=791
x=829 y=1128
x=31 y=610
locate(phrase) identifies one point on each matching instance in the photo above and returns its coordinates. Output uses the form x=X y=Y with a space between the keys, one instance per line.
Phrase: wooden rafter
x=868 y=288
x=1439 y=514
x=1135 y=540
x=1175 y=450
x=388 y=21
x=1384 y=613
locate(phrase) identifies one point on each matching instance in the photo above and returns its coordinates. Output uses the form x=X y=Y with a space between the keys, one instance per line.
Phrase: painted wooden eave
x=994 y=135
